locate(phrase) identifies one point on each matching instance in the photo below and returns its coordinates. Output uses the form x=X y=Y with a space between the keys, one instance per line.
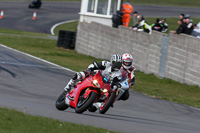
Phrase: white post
x=84 y=6
x=119 y=5
x=109 y=5
x=93 y=6
x=95 y=9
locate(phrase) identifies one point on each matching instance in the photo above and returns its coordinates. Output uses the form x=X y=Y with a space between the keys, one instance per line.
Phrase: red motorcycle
x=85 y=93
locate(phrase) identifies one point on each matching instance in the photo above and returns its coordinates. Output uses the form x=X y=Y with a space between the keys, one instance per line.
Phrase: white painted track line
x=54 y=26
x=37 y=58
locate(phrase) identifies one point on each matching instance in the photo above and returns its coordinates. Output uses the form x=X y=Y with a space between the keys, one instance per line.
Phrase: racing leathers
x=165 y=26
x=127 y=80
x=143 y=26
x=130 y=79
x=131 y=75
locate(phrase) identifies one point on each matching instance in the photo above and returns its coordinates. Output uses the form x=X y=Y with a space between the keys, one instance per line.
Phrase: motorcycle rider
x=35 y=4
x=110 y=70
x=142 y=25
x=130 y=69
x=126 y=69
x=164 y=24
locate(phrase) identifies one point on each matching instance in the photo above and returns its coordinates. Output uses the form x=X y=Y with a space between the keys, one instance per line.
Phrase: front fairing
x=88 y=84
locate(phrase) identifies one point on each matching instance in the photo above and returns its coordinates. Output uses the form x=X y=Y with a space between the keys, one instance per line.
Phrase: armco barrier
x=152 y=53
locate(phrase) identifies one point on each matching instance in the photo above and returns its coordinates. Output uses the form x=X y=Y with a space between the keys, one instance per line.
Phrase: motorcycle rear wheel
x=84 y=104
x=108 y=102
x=60 y=102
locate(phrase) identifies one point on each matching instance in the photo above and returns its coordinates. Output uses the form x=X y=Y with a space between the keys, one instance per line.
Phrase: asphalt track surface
x=30 y=85
x=18 y=16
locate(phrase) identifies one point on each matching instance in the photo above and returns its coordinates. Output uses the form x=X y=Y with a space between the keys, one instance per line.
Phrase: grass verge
x=19 y=32
x=148 y=84
x=12 y=121
x=72 y=26
x=46 y=49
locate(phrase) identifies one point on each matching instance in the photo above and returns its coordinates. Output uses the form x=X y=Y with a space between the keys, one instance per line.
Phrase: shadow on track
x=8 y=71
x=127 y=119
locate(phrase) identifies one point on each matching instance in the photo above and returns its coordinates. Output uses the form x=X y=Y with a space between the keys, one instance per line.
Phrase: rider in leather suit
x=128 y=79
x=127 y=66
x=109 y=69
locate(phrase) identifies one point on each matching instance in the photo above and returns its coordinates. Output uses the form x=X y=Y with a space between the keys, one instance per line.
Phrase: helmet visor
x=127 y=63
x=116 y=65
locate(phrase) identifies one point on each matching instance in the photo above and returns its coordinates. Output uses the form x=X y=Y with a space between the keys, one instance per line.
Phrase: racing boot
x=76 y=78
x=70 y=85
x=97 y=105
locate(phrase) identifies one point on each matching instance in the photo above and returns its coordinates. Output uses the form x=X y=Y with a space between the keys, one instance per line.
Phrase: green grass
x=167 y=89
x=12 y=121
x=72 y=26
x=19 y=32
x=148 y=84
x=185 y=3
x=46 y=49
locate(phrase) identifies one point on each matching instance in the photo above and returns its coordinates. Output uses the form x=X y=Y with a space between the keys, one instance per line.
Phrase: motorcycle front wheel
x=60 y=102
x=107 y=103
x=84 y=103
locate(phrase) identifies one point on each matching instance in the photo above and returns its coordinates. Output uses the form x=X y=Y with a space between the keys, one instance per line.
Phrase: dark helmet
x=116 y=61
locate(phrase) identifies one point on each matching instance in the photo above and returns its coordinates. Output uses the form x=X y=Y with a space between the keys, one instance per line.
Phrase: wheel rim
x=82 y=100
x=104 y=103
x=62 y=97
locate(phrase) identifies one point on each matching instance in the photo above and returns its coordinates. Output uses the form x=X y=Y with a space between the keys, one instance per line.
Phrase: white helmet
x=116 y=61
x=127 y=60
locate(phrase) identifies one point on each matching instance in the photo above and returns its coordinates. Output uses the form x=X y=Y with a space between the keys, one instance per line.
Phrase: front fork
x=119 y=93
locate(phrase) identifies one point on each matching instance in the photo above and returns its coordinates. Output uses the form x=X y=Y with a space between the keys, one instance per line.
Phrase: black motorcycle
x=35 y=4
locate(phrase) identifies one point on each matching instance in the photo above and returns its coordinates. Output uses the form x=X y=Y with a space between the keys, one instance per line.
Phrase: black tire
x=92 y=108
x=37 y=6
x=60 y=102
x=107 y=105
x=83 y=105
